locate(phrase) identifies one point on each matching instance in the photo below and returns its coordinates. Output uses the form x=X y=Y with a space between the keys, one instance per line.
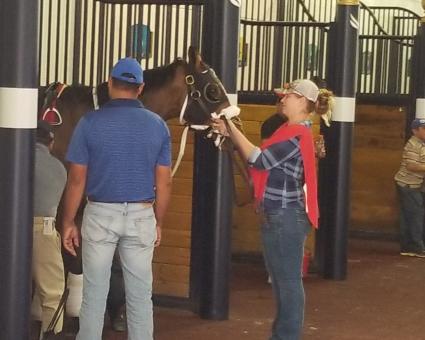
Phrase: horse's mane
x=157 y=77
x=77 y=95
x=154 y=78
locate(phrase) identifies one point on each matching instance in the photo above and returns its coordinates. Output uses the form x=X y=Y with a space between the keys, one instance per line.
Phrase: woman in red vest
x=284 y=177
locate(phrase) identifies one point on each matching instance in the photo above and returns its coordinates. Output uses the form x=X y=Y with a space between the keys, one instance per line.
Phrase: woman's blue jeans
x=284 y=232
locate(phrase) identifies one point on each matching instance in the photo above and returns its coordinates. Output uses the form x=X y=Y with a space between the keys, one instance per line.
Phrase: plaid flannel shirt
x=283 y=160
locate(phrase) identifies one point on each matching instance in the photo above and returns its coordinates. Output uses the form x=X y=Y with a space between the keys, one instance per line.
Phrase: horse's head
x=206 y=93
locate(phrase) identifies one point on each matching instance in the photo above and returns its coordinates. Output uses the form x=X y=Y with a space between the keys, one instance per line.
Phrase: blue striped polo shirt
x=121 y=144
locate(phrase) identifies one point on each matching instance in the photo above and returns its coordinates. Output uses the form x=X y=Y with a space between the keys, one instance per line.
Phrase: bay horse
x=191 y=84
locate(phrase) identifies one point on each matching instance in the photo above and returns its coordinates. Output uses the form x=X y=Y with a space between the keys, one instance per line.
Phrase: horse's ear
x=194 y=56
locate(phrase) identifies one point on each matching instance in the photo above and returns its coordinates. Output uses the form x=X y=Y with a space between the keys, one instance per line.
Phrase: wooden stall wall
x=172 y=259
x=379 y=139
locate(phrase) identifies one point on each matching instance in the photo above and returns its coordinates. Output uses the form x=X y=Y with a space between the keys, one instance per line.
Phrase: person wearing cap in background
x=409 y=180
x=279 y=170
x=121 y=155
x=47 y=264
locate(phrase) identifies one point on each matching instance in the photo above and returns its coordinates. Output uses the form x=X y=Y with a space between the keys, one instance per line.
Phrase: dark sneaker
x=119 y=322
x=413 y=254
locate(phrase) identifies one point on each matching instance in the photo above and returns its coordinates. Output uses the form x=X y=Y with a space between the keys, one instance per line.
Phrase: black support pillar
x=213 y=180
x=418 y=77
x=335 y=172
x=18 y=117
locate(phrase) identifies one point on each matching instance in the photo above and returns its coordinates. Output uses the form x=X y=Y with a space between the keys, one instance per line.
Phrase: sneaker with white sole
x=413 y=254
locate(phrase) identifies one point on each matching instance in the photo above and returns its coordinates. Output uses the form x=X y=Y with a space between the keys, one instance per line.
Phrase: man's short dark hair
x=123 y=85
x=45 y=133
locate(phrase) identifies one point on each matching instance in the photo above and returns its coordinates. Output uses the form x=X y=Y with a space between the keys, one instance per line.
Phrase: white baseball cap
x=302 y=87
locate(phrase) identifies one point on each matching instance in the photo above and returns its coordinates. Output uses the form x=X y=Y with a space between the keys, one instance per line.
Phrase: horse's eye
x=212 y=92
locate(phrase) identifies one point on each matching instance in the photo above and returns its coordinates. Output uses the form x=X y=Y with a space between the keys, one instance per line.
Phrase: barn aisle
x=382 y=299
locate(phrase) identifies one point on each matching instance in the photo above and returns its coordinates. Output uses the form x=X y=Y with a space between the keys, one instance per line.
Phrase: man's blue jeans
x=131 y=227
x=284 y=232
x=411 y=219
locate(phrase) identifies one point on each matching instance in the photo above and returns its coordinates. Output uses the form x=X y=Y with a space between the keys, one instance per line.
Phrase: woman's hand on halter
x=219 y=126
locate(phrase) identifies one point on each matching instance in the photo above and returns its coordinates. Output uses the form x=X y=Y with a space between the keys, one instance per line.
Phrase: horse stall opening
x=80 y=40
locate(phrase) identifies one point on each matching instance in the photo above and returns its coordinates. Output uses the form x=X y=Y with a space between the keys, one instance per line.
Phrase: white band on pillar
x=233 y=99
x=344 y=110
x=237 y=3
x=420 y=107
x=18 y=108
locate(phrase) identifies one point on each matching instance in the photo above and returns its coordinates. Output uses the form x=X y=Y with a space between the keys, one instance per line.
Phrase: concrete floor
x=383 y=298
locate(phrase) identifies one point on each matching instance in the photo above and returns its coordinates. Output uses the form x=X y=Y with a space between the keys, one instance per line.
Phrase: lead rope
x=181 y=151
x=183 y=140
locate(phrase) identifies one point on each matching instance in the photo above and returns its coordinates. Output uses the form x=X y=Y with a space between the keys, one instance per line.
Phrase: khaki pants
x=47 y=270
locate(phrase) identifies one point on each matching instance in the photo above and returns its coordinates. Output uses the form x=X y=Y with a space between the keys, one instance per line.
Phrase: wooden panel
x=178 y=220
x=171 y=288
x=251 y=127
x=172 y=255
x=175 y=238
x=257 y=113
x=378 y=146
x=180 y=204
x=182 y=186
x=171 y=273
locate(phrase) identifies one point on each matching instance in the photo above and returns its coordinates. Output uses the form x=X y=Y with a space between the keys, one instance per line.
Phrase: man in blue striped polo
x=121 y=155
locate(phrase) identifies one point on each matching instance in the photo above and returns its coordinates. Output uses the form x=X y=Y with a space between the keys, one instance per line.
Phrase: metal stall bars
x=80 y=40
x=284 y=40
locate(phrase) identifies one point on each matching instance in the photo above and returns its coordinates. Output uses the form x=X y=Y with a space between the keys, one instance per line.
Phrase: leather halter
x=205 y=90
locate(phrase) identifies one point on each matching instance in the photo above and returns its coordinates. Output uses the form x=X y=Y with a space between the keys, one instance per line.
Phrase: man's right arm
x=415 y=161
x=415 y=167
x=163 y=194
x=73 y=194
